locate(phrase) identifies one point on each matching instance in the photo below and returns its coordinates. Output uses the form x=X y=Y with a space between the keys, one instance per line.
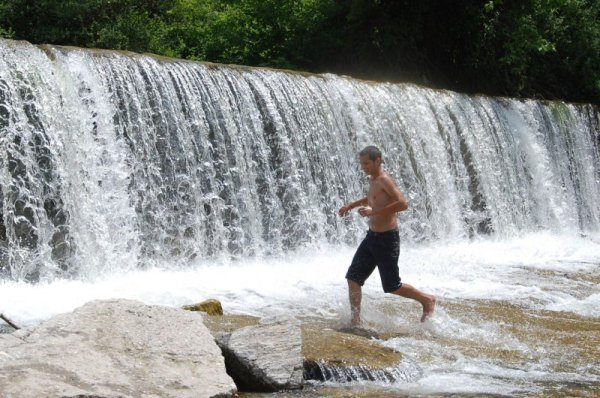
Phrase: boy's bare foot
x=428 y=308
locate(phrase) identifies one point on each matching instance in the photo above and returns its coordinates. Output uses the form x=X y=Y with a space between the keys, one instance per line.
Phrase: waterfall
x=116 y=160
x=407 y=371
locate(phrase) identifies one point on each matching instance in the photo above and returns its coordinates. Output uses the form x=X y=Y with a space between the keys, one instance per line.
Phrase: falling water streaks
x=112 y=157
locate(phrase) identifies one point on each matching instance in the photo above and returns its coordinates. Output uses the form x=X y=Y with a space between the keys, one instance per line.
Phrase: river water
x=171 y=182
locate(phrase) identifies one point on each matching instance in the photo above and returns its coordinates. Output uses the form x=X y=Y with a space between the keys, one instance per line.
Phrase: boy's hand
x=365 y=211
x=344 y=210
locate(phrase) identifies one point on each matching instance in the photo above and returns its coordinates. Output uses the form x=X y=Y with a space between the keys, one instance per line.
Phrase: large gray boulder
x=117 y=348
x=266 y=356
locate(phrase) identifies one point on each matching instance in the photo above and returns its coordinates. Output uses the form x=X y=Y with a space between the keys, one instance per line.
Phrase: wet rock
x=117 y=348
x=210 y=306
x=222 y=326
x=266 y=356
x=348 y=355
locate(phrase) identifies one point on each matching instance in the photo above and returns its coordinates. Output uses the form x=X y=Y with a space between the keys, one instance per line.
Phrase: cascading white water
x=123 y=175
x=116 y=160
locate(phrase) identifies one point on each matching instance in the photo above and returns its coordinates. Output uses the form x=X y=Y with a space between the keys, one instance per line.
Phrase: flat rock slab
x=116 y=348
x=340 y=348
x=349 y=355
x=361 y=331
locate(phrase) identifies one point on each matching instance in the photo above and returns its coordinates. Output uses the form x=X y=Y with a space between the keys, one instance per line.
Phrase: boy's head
x=371 y=151
x=370 y=160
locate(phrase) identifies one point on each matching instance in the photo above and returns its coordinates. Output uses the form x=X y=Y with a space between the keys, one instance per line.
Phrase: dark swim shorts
x=381 y=250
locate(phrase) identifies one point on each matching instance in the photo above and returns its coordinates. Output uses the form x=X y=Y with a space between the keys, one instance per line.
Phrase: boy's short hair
x=371 y=151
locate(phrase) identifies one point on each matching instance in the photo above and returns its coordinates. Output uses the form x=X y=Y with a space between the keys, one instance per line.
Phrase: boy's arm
x=346 y=208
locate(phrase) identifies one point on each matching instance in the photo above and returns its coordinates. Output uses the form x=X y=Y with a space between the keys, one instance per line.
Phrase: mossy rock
x=345 y=348
x=211 y=307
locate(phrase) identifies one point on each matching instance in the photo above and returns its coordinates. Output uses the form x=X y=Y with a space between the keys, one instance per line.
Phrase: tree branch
x=11 y=323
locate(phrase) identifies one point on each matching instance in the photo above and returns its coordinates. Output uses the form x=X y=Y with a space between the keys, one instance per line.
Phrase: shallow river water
x=515 y=317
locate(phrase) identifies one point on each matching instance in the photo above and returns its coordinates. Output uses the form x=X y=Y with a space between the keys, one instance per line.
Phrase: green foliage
x=253 y=32
x=6 y=33
x=539 y=48
x=117 y=24
x=543 y=47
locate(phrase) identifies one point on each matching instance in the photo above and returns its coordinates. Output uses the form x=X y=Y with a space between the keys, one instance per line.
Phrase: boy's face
x=369 y=166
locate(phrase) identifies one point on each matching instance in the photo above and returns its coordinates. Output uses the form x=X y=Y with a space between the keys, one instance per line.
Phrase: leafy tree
x=543 y=48
x=274 y=33
x=118 y=24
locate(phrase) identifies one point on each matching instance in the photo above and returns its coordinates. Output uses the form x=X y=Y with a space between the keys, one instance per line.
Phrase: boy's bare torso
x=378 y=198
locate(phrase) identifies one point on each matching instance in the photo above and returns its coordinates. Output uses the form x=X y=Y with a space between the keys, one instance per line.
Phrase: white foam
x=309 y=281
x=589 y=306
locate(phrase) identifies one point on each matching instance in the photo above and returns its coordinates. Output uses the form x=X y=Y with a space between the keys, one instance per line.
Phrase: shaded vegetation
x=536 y=48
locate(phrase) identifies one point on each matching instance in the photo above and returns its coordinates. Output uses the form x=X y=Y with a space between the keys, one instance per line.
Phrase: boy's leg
x=355 y=295
x=360 y=269
x=426 y=300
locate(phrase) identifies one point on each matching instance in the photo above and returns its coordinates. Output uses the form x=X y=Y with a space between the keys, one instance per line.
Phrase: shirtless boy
x=381 y=246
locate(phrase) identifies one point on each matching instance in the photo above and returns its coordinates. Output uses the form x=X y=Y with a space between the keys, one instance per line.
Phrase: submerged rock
x=117 y=348
x=210 y=306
